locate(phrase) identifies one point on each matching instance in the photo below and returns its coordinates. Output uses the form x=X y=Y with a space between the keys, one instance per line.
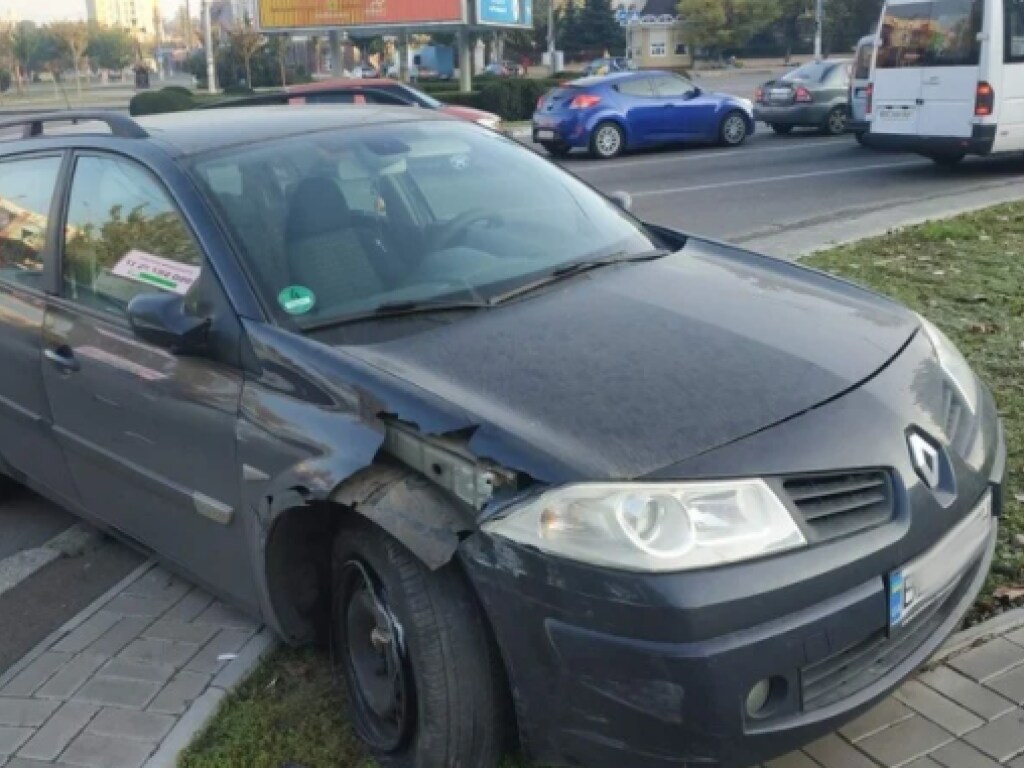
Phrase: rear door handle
x=63 y=358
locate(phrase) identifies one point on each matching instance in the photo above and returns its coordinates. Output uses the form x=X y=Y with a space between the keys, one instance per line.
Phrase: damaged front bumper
x=612 y=669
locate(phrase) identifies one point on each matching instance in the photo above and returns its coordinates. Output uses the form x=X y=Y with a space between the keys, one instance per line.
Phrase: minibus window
x=862 y=67
x=937 y=33
x=1014 y=31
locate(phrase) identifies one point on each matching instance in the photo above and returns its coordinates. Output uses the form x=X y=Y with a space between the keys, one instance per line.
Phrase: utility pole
x=211 y=68
x=186 y=27
x=551 y=37
x=819 y=25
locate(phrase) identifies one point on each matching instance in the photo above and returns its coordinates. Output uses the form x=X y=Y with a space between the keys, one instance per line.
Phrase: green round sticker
x=296 y=299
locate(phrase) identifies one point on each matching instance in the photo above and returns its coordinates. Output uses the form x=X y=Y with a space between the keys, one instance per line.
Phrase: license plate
x=780 y=94
x=929 y=577
x=545 y=135
x=896 y=114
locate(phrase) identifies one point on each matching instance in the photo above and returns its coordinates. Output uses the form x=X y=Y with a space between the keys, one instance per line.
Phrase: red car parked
x=383 y=91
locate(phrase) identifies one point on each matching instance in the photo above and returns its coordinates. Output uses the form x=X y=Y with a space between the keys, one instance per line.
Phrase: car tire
x=782 y=130
x=733 y=130
x=557 y=150
x=418 y=669
x=608 y=141
x=948 y=159
x=835 y=122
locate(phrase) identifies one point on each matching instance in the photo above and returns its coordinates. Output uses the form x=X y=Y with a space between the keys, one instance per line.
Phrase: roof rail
x=120 y=125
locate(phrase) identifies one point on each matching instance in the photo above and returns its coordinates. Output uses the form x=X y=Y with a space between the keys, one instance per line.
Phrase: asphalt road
x=783 y=183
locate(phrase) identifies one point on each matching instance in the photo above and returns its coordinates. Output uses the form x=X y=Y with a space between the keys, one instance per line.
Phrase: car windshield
x=809 y=73
x=939 y=33
x=340 y=223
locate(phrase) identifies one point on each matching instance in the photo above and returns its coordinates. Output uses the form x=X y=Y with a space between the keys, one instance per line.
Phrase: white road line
x=613 y=165
x=773 y=179
x=74 y=541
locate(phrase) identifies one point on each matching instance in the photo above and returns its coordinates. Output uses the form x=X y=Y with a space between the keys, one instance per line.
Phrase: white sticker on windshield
x=165 y=274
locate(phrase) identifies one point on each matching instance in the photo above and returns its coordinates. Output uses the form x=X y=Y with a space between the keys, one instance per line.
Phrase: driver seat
x=325 y=249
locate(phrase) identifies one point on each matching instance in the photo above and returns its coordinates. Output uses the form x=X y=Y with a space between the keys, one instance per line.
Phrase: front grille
x=837 y=505
x=854 y=669
x=958 y=423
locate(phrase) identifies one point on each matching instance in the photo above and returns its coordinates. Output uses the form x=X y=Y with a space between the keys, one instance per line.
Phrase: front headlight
x=954 y=364
x=655 y=527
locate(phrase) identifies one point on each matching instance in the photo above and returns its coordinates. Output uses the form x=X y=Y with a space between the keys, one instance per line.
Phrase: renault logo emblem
x=926 y=460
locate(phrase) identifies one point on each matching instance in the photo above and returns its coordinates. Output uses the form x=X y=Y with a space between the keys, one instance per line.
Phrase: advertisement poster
x=310 y=14
x=505 y=13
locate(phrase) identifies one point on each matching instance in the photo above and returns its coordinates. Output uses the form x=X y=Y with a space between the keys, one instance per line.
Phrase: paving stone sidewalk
x=965 y=712
x=129 y=681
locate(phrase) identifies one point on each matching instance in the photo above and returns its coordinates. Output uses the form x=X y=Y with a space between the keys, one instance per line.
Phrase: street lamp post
x=211 y=69
x=551 y=37
x=819 y=23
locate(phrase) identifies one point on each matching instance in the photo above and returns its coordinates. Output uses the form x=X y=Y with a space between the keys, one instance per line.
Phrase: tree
x=74 y=37
x=599 y=30
x=245 y=41
x=568 y=23
x=110 y=48
x=796 y=17
x=278 y=46
x=846 y=21
x=718 y=25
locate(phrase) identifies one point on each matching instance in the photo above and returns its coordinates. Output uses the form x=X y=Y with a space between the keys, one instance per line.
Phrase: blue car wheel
x=607 y=141
x=733 y=130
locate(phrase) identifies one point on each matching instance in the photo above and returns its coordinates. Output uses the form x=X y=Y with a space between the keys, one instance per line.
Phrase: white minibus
x=948 y=78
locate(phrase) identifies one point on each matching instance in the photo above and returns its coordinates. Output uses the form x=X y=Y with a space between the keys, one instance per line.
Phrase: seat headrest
x=316 y=208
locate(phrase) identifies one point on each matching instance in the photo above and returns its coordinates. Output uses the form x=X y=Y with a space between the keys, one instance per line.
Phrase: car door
x=27 y=245
x=643 y=110
x=149 y=435
x=686 y=114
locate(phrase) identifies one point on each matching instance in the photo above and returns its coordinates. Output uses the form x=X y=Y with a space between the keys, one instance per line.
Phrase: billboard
x=310 y=14
x=505 y=13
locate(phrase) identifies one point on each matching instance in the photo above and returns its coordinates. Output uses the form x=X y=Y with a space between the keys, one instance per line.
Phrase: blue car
x=630 y=110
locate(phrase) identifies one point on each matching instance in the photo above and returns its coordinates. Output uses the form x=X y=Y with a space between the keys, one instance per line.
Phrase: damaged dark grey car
x=537 y=470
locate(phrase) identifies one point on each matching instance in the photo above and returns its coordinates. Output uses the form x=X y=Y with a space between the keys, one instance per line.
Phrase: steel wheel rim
x=377 y=676
x=735 y=129
x=837 y=123
x=608 y=141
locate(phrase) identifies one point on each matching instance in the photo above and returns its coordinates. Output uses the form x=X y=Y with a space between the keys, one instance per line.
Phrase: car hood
x=468 y=113
x=626 y=370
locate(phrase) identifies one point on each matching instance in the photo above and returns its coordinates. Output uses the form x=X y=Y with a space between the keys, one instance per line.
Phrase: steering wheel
x=449 y=233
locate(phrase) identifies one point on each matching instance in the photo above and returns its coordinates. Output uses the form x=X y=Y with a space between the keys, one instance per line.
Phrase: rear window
x=862 y=66
x=1014 y=31
x=810 y=73
x=938 y=33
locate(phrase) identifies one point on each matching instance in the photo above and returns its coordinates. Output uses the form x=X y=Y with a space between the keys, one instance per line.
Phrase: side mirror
x=695 y=92
x=160 y=319
x=622 y=199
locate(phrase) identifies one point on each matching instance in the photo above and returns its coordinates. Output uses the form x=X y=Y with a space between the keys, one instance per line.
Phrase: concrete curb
x=966 y=639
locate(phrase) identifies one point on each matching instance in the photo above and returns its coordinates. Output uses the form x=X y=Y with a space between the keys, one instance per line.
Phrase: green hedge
x=171 y=99
x=514 y=99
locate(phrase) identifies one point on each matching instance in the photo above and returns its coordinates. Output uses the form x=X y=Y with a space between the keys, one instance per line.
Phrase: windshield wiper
x=575 y=268
x=399 y=309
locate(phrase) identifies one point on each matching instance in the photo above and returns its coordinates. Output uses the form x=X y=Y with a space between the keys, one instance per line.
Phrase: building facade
x=140 y=18
x=655 y=33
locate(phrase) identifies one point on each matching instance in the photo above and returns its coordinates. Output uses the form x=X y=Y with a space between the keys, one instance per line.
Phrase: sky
x=57 y=10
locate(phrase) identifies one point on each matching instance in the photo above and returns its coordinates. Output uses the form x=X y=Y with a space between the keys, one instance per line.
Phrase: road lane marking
x=605 y=165
x=773 y=179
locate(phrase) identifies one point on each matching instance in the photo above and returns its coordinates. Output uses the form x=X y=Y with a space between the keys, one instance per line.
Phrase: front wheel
x=418 y=670
x=835 y=122
x=733 y=130
x=607 y=142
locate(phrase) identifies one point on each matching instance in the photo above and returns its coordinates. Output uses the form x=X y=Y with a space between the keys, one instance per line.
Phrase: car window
x=814 y=72
x=1014 y=28
x=385 y=99
x=346 y=97
x=671 y=86
x=123 y=236
x=641 y=86
x=407 y=212
x=931 y=33
x=863 y=63
x=26 y=191
x=838 y=76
